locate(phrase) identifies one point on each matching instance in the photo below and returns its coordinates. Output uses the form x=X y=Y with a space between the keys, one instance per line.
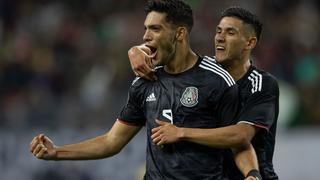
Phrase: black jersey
x=204 y=96
x=259 y=93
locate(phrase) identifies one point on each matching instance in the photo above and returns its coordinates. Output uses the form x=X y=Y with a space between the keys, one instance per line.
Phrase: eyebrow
x=152 y=26
x=229 y=28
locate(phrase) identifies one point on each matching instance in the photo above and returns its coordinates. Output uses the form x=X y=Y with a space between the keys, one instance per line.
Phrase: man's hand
x=43 y=148
x=141 y=62
x=165 y=133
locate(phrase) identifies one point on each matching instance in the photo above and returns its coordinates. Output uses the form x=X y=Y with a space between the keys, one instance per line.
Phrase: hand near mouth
x=141 y=61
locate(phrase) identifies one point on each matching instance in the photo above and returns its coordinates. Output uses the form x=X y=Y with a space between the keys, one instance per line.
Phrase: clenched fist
x=43 y=148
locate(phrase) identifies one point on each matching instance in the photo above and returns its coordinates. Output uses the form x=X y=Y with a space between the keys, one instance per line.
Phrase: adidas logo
x=151 y=97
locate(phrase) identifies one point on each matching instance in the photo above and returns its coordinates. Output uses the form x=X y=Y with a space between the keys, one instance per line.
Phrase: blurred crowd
x=63 y=63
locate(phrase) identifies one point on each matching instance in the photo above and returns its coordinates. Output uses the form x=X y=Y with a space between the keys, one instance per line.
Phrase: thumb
x=144 y=49
x=41 y=138
x=150 y=56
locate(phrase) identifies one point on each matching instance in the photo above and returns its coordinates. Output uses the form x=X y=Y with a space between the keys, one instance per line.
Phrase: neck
x=183 y=60
x=238 y=68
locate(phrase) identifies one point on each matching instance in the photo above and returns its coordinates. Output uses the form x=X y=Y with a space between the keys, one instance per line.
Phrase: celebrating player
x=236 y=36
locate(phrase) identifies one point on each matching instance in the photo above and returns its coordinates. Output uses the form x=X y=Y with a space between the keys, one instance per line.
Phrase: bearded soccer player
x=236 y=35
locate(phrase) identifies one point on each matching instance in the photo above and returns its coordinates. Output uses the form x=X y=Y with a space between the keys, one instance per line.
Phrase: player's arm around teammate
x=237 y=137
x=99 y=147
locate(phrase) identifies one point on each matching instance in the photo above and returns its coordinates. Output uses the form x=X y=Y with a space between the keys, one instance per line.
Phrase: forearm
x=103 y=146
x=226 y=137
x=95 y=148
x=245 y=159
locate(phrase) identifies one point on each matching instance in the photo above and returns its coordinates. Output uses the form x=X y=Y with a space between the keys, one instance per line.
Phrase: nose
x=219 y=37
x=147 y=36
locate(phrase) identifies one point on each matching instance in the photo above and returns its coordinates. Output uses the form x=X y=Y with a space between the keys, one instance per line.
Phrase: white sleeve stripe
x=252 y=84
x=256 y=81
x=135 y=80
x=219 y=69
x=246 y=122
x=210 y=58
x=254 y=124
x=158 y=67
x=212 y=65
x=212 y=70
x=213 y=62
x=260 y=79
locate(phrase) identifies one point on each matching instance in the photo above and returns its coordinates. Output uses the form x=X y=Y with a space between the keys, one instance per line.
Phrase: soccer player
x=236 y=35
x=190 y=92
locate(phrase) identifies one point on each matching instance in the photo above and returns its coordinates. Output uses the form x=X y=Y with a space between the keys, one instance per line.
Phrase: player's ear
x=181 y=33
x=251 y=43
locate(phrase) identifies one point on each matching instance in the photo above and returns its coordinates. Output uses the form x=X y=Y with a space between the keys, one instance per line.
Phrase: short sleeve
x=261 y=108
x=132 y=112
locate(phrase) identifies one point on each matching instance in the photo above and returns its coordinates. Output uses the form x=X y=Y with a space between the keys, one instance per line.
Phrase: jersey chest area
x=183 y=103
x=245 y=91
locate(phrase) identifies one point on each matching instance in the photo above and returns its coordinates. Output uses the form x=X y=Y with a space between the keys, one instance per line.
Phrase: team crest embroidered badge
x=189 y=97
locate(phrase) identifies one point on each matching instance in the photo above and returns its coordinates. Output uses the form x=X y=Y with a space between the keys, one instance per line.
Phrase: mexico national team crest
x=189 y=97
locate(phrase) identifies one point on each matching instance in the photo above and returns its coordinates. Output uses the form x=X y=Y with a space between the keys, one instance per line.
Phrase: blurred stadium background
x=64 y=71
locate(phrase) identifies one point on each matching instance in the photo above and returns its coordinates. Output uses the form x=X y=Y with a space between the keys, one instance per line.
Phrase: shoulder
x=137 y=91
x=138 y=81
x=212 y=68
x=138 y=85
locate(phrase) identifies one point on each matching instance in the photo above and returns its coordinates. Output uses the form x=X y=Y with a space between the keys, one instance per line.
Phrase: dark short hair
x=246 y=16
x=178 y=12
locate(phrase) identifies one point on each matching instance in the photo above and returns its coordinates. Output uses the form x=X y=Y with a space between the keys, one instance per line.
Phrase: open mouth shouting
x=220 y=51
x=153 y=51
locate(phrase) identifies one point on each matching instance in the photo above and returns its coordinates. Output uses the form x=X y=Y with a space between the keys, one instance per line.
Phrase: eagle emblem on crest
x=189 y=97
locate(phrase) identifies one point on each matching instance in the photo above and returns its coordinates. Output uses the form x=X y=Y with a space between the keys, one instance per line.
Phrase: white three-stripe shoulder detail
x=209 y=64
x=256 y=81
x=135 y=80
x=158 y=67
x=210 y=58
x=214 y=63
